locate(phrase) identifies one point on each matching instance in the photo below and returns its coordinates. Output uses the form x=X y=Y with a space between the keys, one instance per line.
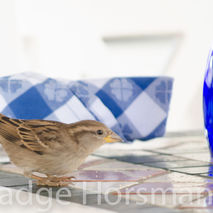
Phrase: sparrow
x=52 y=148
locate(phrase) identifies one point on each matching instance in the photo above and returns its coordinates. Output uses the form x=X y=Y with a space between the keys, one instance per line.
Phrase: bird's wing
x=35 y=135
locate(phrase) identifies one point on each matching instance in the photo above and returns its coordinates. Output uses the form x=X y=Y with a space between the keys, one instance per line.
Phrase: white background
x=76 y=39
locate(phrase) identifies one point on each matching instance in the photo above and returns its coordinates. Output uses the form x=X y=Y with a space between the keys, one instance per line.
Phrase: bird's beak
x=113 y=138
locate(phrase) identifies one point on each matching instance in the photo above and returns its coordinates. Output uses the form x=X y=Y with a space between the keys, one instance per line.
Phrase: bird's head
x=92 y=134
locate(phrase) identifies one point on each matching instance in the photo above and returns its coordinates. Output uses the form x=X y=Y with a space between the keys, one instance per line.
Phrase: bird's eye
x=100 y=132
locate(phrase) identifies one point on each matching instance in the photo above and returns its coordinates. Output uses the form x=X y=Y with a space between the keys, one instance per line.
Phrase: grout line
x=193 y=200
x=140 y=181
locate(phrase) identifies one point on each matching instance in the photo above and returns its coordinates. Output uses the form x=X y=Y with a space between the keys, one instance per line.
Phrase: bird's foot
x=50 y=183
x=52 y=180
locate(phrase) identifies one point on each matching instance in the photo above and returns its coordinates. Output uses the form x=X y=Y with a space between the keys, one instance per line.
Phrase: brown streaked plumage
x=50 y=147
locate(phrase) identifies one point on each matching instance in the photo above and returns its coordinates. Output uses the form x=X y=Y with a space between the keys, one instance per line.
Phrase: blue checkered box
x=134 y=107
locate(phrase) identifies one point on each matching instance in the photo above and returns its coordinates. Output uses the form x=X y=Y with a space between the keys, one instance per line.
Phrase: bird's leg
x=40 y=180
x=46 y=181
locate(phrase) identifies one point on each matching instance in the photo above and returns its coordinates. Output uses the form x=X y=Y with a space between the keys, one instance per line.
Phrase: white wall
x=64 y=38
x=8 y=38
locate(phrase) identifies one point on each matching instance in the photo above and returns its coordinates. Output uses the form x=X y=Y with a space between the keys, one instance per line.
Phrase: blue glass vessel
x=208 y=100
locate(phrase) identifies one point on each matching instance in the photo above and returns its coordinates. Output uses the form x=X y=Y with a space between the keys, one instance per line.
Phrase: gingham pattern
x=135 y=108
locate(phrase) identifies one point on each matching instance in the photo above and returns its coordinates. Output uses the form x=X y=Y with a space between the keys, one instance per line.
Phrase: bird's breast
x=62 y=164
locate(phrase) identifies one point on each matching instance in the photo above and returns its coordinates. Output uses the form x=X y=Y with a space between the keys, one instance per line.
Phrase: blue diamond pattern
x=29 y=105
x=47 y=98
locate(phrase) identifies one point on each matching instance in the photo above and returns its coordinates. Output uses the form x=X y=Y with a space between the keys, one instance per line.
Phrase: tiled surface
x=171 y=174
